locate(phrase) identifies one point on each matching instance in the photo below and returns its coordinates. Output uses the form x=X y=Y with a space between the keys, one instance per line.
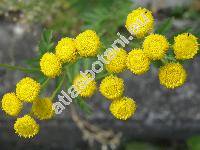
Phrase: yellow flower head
x=140 y=22
x=185 y=46
x=118 y=63
x=11 y=104
x=26 y=127
x=112 y=87
x=172 y=75
x=50 y=65
x=87 y=43
x=42 y=109
x=27 y=89
x=155 y=46
x=84 y=85
x=123 y=108
x=138 y=62
x=66 y=50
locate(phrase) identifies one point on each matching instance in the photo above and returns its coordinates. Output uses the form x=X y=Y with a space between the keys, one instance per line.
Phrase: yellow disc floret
x=138 y=62
x=112 y=87
x=118 y=63
x=155 y=46
x=87 y=43
x=66 y=50
x=185 y=46
x=172 y=75
x=123 y=108
x=140 y=22
x=11 y=104
x=26 y=127
x=42 y=109
x=50 y=65
x=85 y=85
x=27 y=89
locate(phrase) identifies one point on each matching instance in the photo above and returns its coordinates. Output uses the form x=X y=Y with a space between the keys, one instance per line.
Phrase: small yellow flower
x=118 y=63
x=140 y=22
x=172 y=75
x=138 y=62
x=66 y=50
x=50 y=65
x=27 y=89
x=42 y=109
x=155 y=46
x=11 y=104
x=87 y=43
x=85 y=87
x=112 y=87
x=123 y=108
x=26 y=127
x=185 y=46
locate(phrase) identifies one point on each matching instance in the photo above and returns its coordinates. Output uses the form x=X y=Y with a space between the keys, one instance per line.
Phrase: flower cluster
x=68 y=51
x=27 y=91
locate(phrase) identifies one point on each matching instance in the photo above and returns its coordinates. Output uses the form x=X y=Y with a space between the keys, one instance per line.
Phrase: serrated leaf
x=46 y=43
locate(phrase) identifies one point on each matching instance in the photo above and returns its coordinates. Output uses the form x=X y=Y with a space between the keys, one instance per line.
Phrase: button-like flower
x=11 y=104
x=84 y=85
x=140 y=22
x=27 y=89
x=42 y=108
x=66 y=50
x=87 y=43
x=26 y=127
x=172 y=75
x=185 y=46
x=118 y=63
x=112 y=87
x=155 y=46
x=138 y=62
x=123 y=108
x=50 y=65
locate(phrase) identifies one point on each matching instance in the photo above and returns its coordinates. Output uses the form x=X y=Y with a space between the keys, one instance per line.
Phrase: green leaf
x=157 y=63
x=46 y=43
x=165 y=26
x=83 y=105
x=141 y=146
x=194 y=143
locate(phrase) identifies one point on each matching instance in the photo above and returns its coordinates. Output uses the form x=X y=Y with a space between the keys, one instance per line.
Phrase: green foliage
x=194 y=143
x=165 y=26
x=46 y=43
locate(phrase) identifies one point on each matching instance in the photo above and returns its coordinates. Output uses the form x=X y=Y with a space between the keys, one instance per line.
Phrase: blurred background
x=165 y=119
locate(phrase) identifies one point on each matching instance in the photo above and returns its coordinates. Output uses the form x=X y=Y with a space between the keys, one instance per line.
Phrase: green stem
x=102 y=76
x=58 y=87
x=18 y=68
x=45 y=83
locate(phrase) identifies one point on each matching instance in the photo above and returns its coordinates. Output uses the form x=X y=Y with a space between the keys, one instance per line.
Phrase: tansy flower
x=172 y=75
x=140 y=22
x=42 y=109
x=137 y=61
x=118 y=63
x=50 y=65
x=123 y=108
x=11 y=104
x=27 y=89
x=185 y=46
x=155 y=46
x=26 y=127
x=112 y=87
x=87 y=43
x=66 y=50
x=84 y=85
